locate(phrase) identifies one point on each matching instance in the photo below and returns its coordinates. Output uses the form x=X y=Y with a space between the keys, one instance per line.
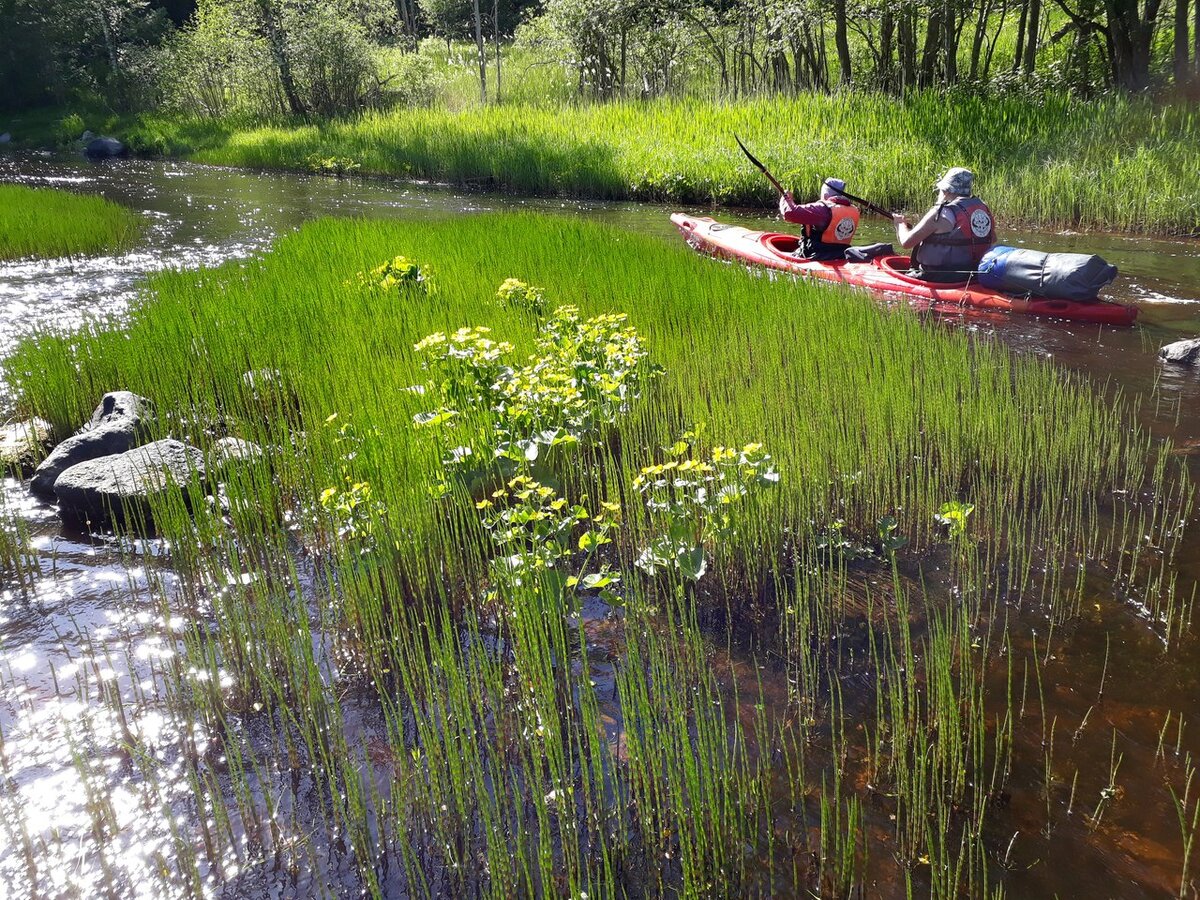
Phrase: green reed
x=1107 y=163
x=44 y=222
x=360 y=571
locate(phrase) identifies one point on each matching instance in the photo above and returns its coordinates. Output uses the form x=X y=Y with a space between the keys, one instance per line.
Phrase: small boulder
x=22 y=443
x=6 y=138
x=1185 y=353
x=117 y=405
x=118 y=424
x=104 y=148
x=111 y=486
x=230 y=451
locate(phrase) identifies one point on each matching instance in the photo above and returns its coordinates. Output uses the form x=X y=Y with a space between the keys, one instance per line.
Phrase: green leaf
x=432 y=419
x=691 y=562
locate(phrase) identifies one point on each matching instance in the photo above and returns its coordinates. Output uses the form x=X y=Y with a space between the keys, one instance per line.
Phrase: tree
x=1180 y=47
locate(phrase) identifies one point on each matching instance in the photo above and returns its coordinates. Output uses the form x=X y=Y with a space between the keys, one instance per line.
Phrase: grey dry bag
x=1062 y=276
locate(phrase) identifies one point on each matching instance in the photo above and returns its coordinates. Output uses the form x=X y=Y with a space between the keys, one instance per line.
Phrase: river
x=81 y=653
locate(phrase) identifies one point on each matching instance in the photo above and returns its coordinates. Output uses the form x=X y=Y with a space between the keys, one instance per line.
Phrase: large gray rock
x=104 y=148
x=116 y=485
x=22 y=443
x=1182 y=352
x=118 y=424
x=5 y=138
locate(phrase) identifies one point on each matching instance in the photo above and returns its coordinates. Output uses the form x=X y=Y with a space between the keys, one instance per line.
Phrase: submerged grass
x=538 y=633
x=45 y=222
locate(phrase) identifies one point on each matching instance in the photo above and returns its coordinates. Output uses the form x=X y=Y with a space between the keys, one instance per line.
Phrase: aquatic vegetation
x=46 y=222
x=335 y=166
x=695 y=497
x=398 y=272
x=519 y=295
x=477 y=688
x=1109 y=163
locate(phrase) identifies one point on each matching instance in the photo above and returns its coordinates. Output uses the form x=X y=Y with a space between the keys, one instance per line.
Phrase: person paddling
x=953 y=236
x=829 y=223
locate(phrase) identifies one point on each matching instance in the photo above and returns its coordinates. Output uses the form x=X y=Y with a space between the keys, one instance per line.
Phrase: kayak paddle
x=750 y=156
x=878 y=210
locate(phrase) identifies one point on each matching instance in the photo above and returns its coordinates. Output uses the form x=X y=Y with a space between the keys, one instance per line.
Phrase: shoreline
x=1072 y=168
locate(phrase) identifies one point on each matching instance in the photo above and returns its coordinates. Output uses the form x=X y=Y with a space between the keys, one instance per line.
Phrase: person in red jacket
x=954 y=235
x=829 y=223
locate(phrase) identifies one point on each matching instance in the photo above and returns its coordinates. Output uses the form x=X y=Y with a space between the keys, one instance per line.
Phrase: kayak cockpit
x=785 y=246
x=899 y=266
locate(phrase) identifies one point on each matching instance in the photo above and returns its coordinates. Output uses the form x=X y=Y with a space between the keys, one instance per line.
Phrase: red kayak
x=885 y=275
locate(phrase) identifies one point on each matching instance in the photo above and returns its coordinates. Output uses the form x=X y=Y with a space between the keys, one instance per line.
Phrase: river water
x=83 y=649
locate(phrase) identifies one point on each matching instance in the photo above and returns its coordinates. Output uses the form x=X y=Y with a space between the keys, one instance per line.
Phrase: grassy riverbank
x=1109 y=164
x=469 y=627
x=46 y=223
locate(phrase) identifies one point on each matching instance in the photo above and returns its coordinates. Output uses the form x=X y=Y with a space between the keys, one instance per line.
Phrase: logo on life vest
x=981 y=223
x=844 y=229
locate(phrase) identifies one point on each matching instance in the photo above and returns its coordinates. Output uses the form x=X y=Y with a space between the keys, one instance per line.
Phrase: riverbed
x=82 y=652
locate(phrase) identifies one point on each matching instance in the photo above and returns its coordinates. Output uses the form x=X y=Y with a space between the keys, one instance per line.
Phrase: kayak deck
x=885 y=275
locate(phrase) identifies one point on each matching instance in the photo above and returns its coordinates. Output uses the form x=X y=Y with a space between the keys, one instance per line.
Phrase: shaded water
x=83 y=649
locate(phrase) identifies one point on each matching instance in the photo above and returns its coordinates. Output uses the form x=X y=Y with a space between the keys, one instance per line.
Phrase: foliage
x=349 y=505
x=409 y=79
x=517 y=294
x=399 y=272
x=953 y=516
x=582 y=376
x=695 y=499
x=336 y=166
x=521 y=739
x=1055 y=162
x=539 y=533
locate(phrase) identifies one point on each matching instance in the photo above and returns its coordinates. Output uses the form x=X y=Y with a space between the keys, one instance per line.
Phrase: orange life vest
x=831 y=242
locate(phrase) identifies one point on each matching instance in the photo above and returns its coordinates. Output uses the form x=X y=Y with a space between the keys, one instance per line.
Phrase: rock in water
x=230 y=451
x=112 y=486
x=22 y=443
x=1182 y=352
x=5 y=138
x=117 y=405
x=117 y=425
x=103 y=148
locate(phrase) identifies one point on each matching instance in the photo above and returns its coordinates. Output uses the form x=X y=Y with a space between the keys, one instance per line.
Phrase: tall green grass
x=1109 y=164
x=517 y=744
x=45 y=222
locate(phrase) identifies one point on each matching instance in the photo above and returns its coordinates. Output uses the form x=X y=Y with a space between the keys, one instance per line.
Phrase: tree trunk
x=404 y=10
x=985 y=7
x=887 y=37
x=277 y=41
x=1131 y=30
x=839 y=37
x=987 y=60
x=496 y=36
x=929 y=52
x=1031 y=36
x=481 y=52
x=1181 y=41
x=1020 y=54
x=908 y=50
x=950 y=43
